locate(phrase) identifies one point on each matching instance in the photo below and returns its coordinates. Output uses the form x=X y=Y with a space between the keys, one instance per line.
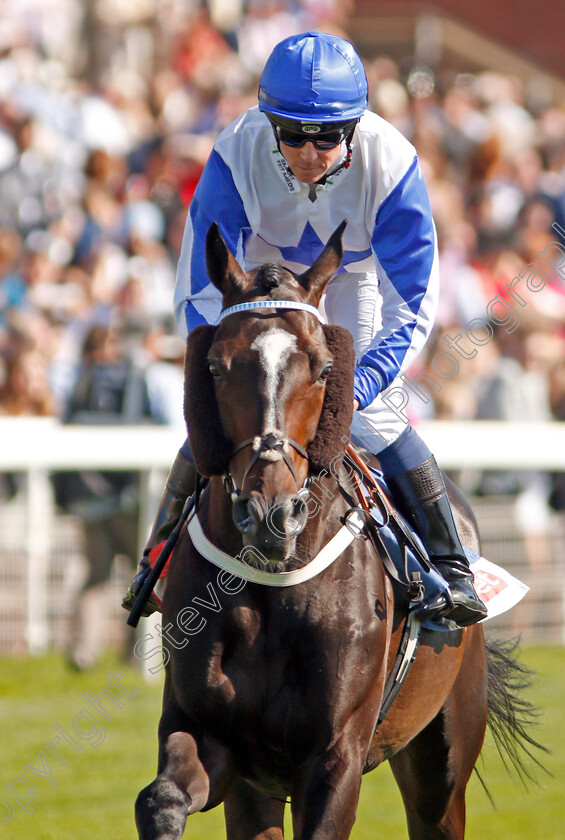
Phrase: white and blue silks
x=387 y=288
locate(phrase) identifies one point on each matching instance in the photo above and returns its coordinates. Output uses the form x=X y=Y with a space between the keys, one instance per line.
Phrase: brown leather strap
x=379 y=498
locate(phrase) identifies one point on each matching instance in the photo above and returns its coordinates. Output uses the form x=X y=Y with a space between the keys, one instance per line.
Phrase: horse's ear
x=316 y=278
x=332 y=434
x=223 y=269
x=210 y=448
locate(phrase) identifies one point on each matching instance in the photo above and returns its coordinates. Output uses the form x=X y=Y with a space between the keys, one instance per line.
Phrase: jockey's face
x=307 y=163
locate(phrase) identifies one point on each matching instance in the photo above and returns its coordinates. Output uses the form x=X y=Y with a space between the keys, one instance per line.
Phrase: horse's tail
x=511 y=716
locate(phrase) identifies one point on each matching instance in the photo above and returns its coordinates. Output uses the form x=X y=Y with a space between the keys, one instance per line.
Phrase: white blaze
x=274 y=348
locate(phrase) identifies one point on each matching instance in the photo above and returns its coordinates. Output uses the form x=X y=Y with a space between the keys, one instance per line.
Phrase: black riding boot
x=422 y=499
x=180 y=484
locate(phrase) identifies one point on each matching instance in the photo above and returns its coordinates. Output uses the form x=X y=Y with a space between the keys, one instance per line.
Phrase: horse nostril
x=282 y=521
x=288 y=518
x=242 y=515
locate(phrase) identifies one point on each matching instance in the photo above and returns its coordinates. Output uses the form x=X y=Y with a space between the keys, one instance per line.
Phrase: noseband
x=270 y=443
x=276 y=447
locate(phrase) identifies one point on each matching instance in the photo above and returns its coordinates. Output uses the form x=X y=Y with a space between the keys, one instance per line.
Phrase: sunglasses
x=322 y=142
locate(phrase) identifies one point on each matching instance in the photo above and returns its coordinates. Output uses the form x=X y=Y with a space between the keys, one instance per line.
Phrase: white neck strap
x=272 y=304
x=330 y=552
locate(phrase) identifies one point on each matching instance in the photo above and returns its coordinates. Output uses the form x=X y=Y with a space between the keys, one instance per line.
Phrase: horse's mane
x=332 y=434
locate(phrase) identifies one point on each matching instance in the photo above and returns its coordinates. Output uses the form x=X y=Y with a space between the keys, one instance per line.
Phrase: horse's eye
x=214 y=368
x=326 y=372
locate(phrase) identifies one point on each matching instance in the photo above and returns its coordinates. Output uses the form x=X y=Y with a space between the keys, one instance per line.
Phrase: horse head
x=269 y=392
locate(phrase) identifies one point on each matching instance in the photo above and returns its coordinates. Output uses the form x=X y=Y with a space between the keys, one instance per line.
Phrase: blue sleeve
x=216 y=199
x=404 y=244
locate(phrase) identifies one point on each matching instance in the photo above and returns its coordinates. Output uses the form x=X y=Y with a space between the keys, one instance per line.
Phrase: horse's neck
x=216 y=516
x=328 y=494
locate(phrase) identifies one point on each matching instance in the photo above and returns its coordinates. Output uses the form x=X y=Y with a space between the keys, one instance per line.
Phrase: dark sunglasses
x=322 y=142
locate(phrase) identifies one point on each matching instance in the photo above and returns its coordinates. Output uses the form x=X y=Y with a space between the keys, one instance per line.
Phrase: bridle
x=270 y=443
x=277 y=445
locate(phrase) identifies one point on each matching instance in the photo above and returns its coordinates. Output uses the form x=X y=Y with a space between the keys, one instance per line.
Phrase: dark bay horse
x=273 y=692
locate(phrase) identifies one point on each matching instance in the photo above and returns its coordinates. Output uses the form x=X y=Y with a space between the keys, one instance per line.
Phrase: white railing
x=35 y=447
x=496 y=445
x=45 y=444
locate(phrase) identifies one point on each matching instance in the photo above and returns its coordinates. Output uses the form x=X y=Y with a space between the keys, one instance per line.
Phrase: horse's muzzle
x=273 y=528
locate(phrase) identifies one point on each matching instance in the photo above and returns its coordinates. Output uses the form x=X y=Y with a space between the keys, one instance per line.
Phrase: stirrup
x=466 y=610
x=466 y=615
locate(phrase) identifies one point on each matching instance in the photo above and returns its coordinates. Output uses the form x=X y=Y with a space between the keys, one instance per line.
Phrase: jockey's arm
x=216 y=199
x=405 y=247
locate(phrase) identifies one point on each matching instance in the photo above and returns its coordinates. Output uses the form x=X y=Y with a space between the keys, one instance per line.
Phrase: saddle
x=407 y=563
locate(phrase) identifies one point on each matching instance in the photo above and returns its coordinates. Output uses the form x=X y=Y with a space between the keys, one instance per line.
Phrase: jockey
x=279 y=181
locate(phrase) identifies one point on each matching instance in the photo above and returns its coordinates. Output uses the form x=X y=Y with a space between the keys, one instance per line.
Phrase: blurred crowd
x=108 y=110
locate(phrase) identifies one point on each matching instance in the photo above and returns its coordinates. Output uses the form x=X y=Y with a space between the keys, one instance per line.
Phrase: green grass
x=92 y=795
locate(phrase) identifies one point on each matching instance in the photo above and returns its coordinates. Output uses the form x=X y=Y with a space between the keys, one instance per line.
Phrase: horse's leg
x=434 y=799
x=252 y=815
x=325 y=789
x=191 y=775
x=432 y=771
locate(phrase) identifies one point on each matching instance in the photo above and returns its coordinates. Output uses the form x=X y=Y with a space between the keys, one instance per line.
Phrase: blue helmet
x=314 y=77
